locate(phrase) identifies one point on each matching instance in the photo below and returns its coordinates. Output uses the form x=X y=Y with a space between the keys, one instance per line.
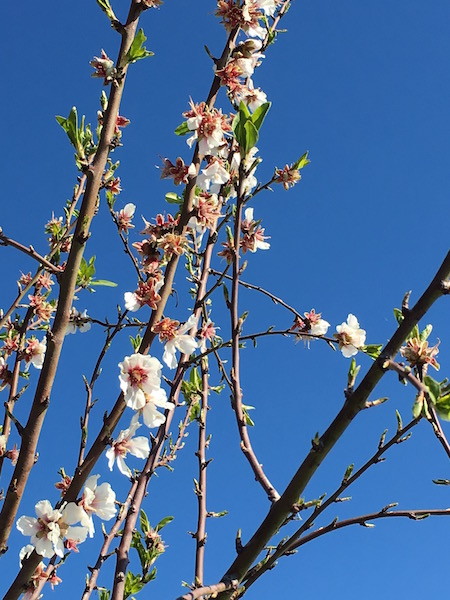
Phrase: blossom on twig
x=51 y=526
x=139 y=375
x=350 y=337
x=126 y=444
x=176 y=338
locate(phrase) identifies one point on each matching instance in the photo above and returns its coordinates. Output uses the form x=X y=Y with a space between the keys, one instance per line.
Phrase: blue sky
x=363 y=87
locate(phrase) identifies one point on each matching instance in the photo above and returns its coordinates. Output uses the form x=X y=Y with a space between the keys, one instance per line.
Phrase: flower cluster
x=53 y=530
x=247 y=16
x=236 y=75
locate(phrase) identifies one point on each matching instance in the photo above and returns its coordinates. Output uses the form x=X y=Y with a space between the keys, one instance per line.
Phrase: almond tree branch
x=200 y=489
x=14 y=383
x=354 y=403
x=30 y=251
x=236 y=325
x=258 y=288
x=384 y=513
x=67 y=287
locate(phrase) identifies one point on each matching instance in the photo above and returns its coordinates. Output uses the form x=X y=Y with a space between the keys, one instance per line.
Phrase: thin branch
x=258 y=288
x=200 y=488
x=364 y=520
x=236 y=397
x=30 y=251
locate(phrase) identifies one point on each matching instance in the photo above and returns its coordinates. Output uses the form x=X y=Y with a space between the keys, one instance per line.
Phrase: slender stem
x=90 y=386
x=414 y=514
x=236 y=398
x=200 y=535
x=258 y=288
x=30 y=251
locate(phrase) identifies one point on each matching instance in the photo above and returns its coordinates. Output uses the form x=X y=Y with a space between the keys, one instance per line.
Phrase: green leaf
x=145 y=525
x=182 y=129
x=133 y=584
x=417 y=406
x=243 y=109
x=107 y=8
x=398 y=315
x=434 y=388
x=301 y=162
x=103 y=282
x=137 y=51
x=248 y=420
x=426 y=332
x=251 y=137
x=372 y=350
x=163 y=523
x=173 y=198
x=260 y=114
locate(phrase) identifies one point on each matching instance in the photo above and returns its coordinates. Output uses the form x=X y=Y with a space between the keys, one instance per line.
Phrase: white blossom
x=151 y=416
x=181 y=341
x=78 y=322
x=139 y=375
x=99 y=500
x=124 y=444
x=213 y=177
x=350 y=336
x=49 y=529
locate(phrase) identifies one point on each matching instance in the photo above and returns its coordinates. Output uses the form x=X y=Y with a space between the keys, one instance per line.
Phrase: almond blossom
x=124 y=217
x=145 y=295
x=126 y=444
x=418 y=353
x=51 y=526
x=176 y=338
x=209 y=126
x=104 y=67
x=253 y=235
x=312 y=324
x=350 y=337
x=213 y=177
x=157 y=399
x=99 y=500
x=78 y=322
x=34 y=352
x=139 y=375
